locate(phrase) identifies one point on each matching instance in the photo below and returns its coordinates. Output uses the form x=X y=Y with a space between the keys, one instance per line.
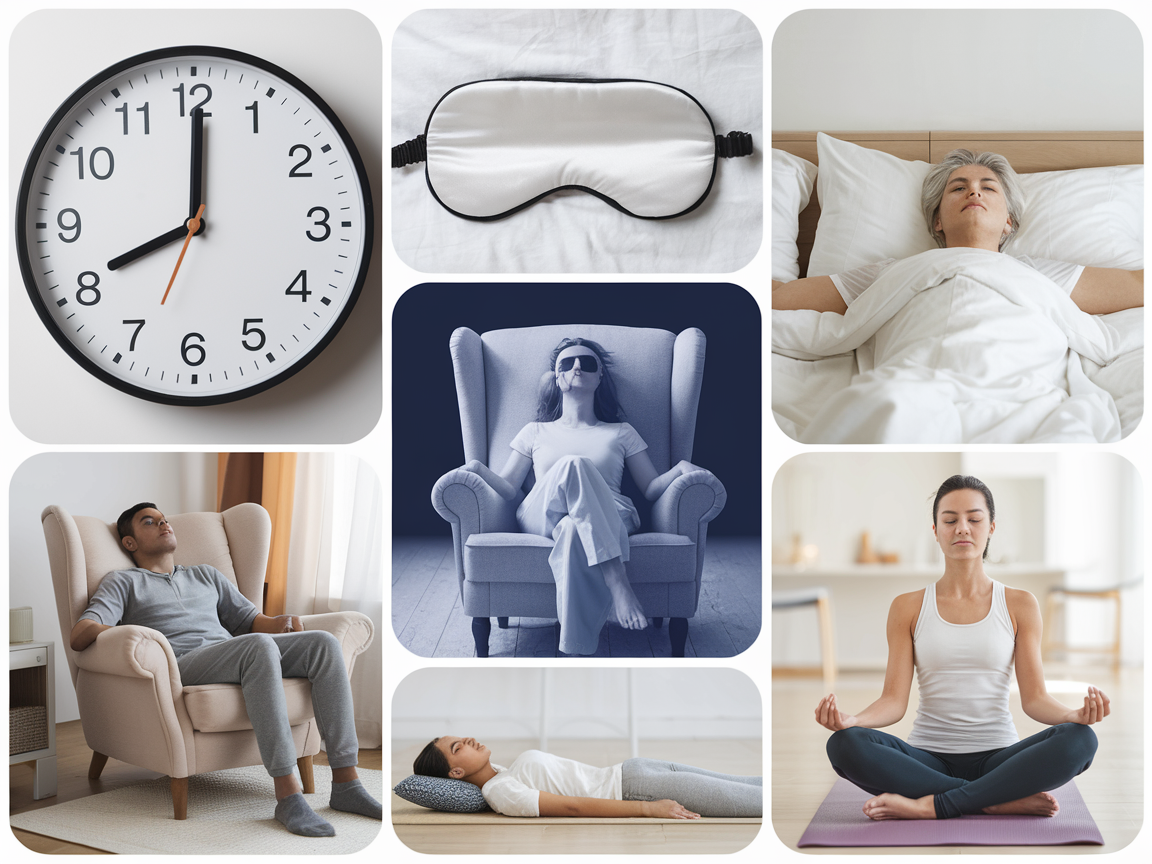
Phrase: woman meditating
x=963 y=635
x=578 y=448
x=540 y=784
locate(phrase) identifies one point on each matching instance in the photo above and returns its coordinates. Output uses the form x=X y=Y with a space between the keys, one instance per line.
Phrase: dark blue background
x=426 y=440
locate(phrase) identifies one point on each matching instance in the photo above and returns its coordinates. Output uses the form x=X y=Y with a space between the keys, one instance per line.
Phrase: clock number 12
x=192 y=92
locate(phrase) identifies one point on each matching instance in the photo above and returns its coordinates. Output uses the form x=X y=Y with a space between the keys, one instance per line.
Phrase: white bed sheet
x=714 y=55
x=905 y=365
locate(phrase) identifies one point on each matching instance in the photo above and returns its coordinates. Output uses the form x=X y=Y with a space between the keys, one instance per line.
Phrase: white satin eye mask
x=495 y=147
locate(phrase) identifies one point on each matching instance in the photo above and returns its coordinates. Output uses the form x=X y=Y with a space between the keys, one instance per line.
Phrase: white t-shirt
x=606 y=444
x=851 y=283
x=515 y=790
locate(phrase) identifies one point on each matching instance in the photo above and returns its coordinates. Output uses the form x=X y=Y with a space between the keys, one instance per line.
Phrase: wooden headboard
x=1027 y=151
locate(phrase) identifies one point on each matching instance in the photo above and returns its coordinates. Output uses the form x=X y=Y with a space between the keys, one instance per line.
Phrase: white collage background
x=284 y=427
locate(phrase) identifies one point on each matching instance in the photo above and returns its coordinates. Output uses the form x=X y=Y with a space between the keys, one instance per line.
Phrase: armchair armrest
x=463 y=498
x=689 y=503
x=131 y=651
x=354 y=631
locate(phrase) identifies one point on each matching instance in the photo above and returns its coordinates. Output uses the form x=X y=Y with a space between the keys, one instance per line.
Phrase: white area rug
x=229 y=813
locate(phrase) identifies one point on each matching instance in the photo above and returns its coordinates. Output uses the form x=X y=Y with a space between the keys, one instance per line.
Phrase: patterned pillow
x=442 y=793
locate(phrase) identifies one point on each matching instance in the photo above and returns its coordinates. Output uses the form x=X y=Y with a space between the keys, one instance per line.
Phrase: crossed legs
x=573 y=505
x=912 y=783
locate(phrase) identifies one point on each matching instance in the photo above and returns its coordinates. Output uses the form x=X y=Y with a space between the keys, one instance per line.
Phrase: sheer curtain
x=335 y=564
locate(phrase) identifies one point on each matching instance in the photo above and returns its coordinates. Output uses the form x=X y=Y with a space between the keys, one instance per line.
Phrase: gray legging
x=708 y=793
x=259 y=662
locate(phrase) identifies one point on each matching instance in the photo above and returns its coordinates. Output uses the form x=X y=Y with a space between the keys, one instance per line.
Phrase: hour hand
x=151 y=246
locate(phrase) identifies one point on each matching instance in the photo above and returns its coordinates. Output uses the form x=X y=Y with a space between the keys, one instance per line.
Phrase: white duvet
x=958 y=346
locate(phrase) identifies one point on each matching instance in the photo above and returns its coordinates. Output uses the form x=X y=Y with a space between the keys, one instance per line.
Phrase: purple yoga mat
x=840 y=821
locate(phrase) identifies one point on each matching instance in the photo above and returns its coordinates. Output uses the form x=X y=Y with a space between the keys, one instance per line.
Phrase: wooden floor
x=72 y=760
x=731 y=756
x=429 y=621
x=1113 y=787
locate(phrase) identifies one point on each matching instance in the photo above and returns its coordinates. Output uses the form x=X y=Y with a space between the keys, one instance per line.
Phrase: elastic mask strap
x=409 y=152
x=727 y=146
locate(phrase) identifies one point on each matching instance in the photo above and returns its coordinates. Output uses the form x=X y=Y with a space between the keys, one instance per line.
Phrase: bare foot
x=1040 y=804
x=626 y=609
x=893 y=806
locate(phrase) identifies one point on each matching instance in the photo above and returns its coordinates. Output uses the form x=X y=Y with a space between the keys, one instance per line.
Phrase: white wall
x=1079 y=511
x=583 y=703
x=831 y=498
x=89 y=484
x=986 y=70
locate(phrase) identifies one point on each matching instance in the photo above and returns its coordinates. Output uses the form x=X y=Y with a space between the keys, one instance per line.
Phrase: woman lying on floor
x=962 y=635
x=540 y=784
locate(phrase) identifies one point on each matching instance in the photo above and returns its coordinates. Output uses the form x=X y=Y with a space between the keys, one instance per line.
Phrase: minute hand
x=151 y=246
x=196 y=178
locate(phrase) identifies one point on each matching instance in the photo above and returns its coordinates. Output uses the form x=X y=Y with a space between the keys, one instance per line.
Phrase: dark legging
x=962 y=782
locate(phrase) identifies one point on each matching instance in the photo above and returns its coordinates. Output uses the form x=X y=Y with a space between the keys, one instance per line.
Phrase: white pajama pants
x=590 y=523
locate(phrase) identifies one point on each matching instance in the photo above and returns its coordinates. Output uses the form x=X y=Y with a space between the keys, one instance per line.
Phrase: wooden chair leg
x=657 y=623
x=1049 y=624
x=481 y=629
x=179 y=798
x=307 y=780
x=1115 y=595
x=678 y=635
x=827 y=645
x=99 y=760
x=502 y=622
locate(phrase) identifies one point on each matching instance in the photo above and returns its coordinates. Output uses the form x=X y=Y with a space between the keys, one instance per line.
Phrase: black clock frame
x=47 y=134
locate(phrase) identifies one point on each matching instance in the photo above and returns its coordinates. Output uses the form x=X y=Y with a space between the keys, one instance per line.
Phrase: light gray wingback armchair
x=503 y=572
x=133 y=706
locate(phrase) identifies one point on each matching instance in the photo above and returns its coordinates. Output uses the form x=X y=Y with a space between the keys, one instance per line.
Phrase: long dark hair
x=431 y=762
x=605 y=404
x=965 y=481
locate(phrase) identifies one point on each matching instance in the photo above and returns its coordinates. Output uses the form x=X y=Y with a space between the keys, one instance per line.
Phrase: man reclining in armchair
x=219 y=637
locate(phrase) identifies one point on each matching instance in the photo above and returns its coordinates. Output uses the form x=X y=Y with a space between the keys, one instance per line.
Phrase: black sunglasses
x=587 y=363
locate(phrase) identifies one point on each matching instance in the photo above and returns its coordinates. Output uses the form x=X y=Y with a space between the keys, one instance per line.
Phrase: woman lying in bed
x=971 y=200
x=540 y=784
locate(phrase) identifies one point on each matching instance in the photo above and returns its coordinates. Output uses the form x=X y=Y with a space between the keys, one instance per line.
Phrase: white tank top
x=963 y=671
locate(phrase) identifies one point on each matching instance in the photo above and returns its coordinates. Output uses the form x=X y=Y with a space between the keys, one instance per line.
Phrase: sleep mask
x=493 y=147
x=587 y=363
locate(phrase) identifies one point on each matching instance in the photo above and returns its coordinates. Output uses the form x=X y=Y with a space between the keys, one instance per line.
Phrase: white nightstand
x=32 y=711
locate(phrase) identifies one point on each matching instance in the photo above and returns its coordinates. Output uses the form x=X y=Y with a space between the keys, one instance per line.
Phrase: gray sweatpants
x=258 y=662
x=708 y=793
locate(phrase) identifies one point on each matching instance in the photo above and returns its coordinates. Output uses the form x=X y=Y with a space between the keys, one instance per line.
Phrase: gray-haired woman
x=971 y=200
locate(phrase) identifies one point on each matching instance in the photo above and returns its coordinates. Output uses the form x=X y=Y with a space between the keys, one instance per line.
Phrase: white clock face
x=104 y=213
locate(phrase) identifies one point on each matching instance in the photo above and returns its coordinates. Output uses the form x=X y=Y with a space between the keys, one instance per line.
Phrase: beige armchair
x=132 y=704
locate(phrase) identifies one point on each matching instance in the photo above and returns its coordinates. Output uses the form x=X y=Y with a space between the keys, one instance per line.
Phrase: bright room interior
x=325 y=556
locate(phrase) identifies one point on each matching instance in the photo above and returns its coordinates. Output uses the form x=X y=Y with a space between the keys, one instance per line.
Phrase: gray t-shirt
x=192 y=606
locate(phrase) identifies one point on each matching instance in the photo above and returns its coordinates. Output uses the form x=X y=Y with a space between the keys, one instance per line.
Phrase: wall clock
x=194 y=225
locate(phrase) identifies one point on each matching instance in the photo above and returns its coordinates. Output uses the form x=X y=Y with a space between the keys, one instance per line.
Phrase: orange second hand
x=193 y=227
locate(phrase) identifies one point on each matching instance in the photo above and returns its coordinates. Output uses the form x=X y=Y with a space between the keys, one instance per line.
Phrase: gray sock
x=295 y=815
x=352 y=797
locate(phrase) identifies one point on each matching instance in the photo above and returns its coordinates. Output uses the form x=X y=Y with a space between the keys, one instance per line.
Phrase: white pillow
x=1090 y=216
x=792 y=179
x=870 y=210
x=869 y=207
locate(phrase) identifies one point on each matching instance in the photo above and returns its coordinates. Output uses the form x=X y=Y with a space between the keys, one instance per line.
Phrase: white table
x=861 y=595
x=37 y=686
